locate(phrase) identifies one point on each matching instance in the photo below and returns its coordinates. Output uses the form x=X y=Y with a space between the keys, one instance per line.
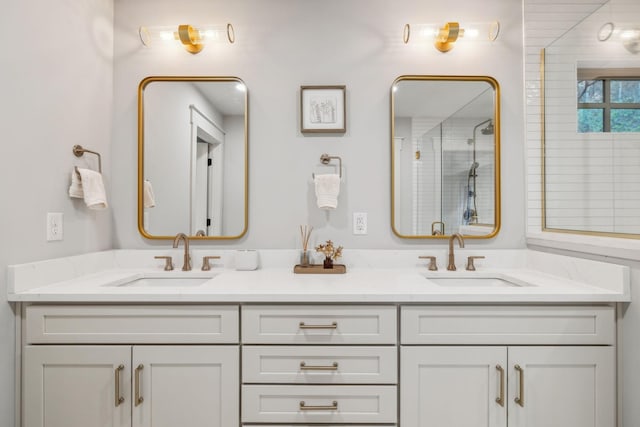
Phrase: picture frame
x=323 y=109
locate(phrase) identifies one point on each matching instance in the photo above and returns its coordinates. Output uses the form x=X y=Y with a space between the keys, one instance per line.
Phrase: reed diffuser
x=305 y=235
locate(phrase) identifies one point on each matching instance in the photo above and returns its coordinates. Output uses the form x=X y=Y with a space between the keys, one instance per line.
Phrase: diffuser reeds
x=305 y=235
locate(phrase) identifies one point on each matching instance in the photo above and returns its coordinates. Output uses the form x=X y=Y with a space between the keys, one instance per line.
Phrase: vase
x=328 y=263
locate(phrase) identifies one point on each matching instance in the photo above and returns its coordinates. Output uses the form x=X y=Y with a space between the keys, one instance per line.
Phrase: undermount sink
x=160 y=282
x=475 y=282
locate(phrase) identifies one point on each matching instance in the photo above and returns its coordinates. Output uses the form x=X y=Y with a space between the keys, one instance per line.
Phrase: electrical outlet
x=359 y=223
x=55 y=226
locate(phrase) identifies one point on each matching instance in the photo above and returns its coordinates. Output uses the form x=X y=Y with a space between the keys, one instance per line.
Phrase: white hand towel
x=75 y=189
x=95 y=197
x=148 y=196
x=327 y=190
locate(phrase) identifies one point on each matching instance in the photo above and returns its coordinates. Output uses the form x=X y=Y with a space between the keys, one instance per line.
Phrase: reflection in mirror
x=445 y=156
x=192 y=166
x=591 y=78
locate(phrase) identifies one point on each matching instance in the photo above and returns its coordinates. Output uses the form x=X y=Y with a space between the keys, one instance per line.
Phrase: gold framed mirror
x=193 y=157
x=445 y=156
x=590 y=125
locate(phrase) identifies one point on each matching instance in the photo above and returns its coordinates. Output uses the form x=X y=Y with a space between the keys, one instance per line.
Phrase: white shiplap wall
x=544 y=22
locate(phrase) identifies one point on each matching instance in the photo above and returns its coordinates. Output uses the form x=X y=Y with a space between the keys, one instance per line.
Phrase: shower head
x=487 y=130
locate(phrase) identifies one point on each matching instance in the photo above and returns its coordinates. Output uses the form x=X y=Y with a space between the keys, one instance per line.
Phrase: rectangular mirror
x=192 y=157
x=445 y=156
x=591 y=124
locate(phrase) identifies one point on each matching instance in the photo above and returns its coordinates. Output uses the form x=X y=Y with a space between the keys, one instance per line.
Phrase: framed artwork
x=322 y=109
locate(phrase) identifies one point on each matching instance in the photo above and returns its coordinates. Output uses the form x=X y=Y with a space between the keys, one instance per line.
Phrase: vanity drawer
x=319 y=365
x=311 y=324
x=319 y=404
x=530 y=325
x=140 y=324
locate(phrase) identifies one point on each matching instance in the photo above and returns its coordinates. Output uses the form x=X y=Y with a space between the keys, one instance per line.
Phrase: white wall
x=283 y=44
x=168 y=153
x=56 y=86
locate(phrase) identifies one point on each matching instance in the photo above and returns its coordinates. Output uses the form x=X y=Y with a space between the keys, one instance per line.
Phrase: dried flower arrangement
x=331 y=253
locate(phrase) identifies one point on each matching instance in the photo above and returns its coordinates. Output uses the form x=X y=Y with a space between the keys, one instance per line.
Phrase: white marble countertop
x=103 y=277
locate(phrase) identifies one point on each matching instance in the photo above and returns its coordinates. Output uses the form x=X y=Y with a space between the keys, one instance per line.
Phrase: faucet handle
x=168 y=262
x=205 y=262
x=432 y=262
x=470 y=265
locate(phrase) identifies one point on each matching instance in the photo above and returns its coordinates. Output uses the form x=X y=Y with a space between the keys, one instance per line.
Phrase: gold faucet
x=187 y=258
x=452 y=258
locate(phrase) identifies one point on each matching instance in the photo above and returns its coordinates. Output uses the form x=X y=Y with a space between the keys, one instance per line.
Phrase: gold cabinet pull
x=119 y=399
x=139 y=399
x=332 y=407
x=333 y=325
x=305 y=367
x=520 y=398
x=500 y=399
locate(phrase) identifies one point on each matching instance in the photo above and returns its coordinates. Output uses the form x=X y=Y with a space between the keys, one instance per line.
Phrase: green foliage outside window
x=609 y=105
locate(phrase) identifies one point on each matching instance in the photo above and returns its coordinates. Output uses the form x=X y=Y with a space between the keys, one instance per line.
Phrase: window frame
x=606 y=105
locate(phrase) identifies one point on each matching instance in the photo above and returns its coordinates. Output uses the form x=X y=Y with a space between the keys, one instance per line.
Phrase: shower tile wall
x=445 y=159
x=593 y=179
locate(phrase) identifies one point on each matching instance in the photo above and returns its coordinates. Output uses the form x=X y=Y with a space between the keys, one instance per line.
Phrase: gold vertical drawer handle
x=333 y=325
x=520 y=398
x=139 y=399
x=305 y=367
x=332 y=407
x=500 y=400
x=118 y=399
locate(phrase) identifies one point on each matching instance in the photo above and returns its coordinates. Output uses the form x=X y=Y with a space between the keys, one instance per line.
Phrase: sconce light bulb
x=471 y=33
x=429 y=33
x=630 y=34
x=168 y=35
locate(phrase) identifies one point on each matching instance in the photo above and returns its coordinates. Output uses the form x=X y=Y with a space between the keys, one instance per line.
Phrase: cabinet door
x=196 y=386
x=453 y=386
x=562 y=387
x=77 y=386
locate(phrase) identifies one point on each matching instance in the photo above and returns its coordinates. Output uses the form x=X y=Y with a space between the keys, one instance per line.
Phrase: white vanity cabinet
x=298 y=365
x=564 y=378
x=308 y=364
x=114 y=381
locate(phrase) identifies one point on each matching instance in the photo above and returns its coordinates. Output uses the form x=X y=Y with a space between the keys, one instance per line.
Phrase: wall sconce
x=444 y=37
x=627 y=34
x=192 y=38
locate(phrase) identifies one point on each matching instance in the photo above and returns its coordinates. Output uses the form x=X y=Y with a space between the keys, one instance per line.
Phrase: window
x=609 y=104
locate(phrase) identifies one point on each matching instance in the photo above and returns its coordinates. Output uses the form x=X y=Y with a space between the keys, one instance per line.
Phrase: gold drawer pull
x=305 y=367
x=332 y=407
x=119 y=399
x=138 y=398
x=520 y=399
x=500 y=400
x=333 y=325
